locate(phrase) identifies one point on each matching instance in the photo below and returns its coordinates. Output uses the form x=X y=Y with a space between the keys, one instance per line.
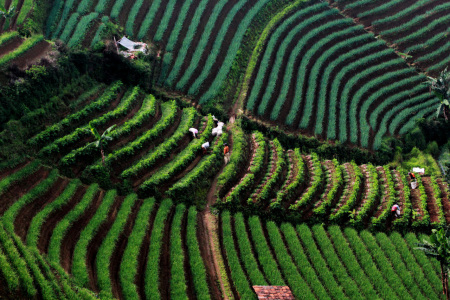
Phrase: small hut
x=273 y=292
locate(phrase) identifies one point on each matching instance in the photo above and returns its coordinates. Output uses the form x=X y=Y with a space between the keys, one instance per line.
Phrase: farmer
x=205 y=147
x=395 y=210
x=226 y=152
x=194 y=132
x=413 y=176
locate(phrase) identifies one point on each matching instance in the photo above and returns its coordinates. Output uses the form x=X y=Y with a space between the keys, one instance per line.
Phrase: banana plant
x=8 y=14
x=441 y=88
x=439 y=247
x=100 y=140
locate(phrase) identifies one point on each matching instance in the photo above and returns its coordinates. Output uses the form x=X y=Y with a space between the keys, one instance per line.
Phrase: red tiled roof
x=273 y=292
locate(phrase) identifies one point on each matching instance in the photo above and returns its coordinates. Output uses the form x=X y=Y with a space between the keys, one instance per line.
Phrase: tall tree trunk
x=445 y=282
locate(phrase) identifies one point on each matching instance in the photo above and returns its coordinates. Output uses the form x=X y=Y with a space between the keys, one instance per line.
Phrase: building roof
x=273 y=292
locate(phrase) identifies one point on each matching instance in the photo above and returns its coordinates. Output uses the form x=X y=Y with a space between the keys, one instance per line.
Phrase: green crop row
x=84 y=7
x=79 y=264
x=164 y=22
x=29 y=169
x=390 y=196
x=428 y=264
x=317 y=182
x=405 y=218
x=68 y=5
x=10 y=215
x=274 y=37
x=99 y=34
x=372 y=83
x=309 y=273
x=437 y=195
x=282 y=52
x=413 y=22
x=379 y=9
x=129 y=30
x=418 y=34
x=247 y=257
x=164 y=149
x=337 y=182
x=82 y=27
x=17 y=265
x=129 y=264
x=61 y=144
x=423 y=110
x=202 y=170
x=276 y=25
x=186 y=45
x=195 y=259
x=232 y=52
x=390 y=268
x=404 y=110
x=178 y=288
x=237 y=160
x=148 y=20
x=325 y=81
x=405 y=262
x=344 y=211
x=45 y=288
x=169 y=112
x=328 y=251
x=183 y=159
x=7 y=36
x=338 y=80
x=382 y=93
x=316 y=258
x=69 y=27
x=103 y=257
x=273 y=178
x=27 y=6
x=237 y=273
x=289 y=189
x=386 y=286
x=401 y=13
x=370 y=196
x=22 y=49
x=101 y=6
x=299 y=287
x=356 y=4
x=197 y=53
x=436 y=54
x=425 y=218
x=152 y=278
x=341 y=28
x=147 y=110
x=117 y=9
x=40 y=218
x=262 y=250
x=315 y=77
x=361 y=278
x=50 y=133
x=52 y=17
x=419 y=265
x=54 y=248
x=256 y=164
x=8 y=273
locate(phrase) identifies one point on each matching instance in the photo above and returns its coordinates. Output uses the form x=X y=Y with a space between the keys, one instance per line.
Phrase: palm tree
x=441 y=88
x=100 y=140
x=439 y=248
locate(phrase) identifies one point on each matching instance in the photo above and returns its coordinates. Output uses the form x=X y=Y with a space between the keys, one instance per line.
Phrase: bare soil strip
x=33 y=55
x=10 y=46
x=27 y=213
x=164 y=263
x=432 y=208
x=55 y=217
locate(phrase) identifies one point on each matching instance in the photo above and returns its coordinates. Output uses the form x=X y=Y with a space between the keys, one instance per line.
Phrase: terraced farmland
x=284 y=184
x=149 y=150
x=131 y=248
x=416 y=28
x=321 y=73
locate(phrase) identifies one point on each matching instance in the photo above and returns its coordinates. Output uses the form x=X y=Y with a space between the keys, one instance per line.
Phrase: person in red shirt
x=226 y=153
